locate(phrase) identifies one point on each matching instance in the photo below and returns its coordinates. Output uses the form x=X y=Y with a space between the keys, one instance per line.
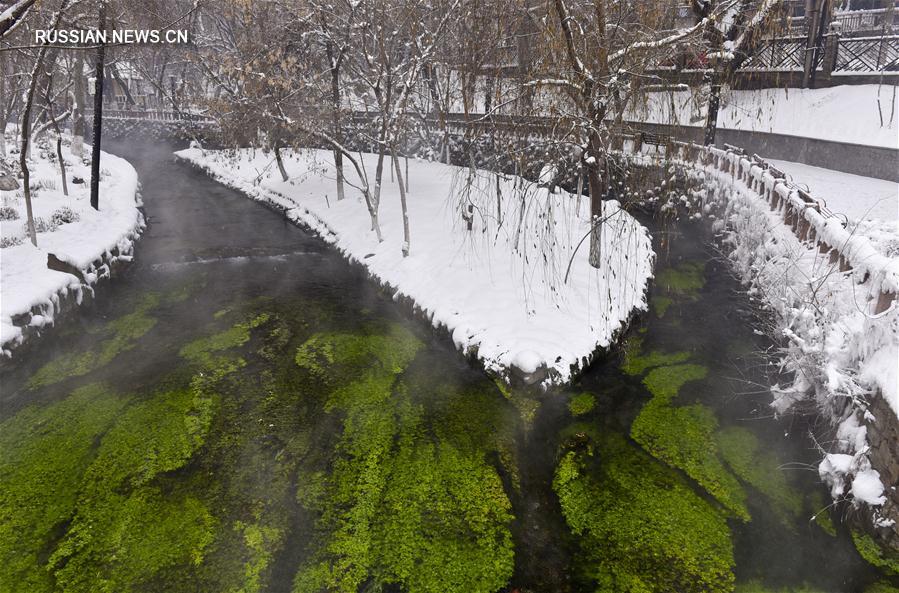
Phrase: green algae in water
x=124 y=333
x=665 y=382
x=742 y=452
x=660 y=305
x=201 y=350
x=684 y=436
x=882 y=587
x=822 y=516
x=323 y=354
x=636 y=363
x=409 y=500
x=43 y=453
x=526 y=405
x=125 y=530
x=582 y=403
x=259 y=540
x=885 y=560
x=641 y=528
x=685 y=279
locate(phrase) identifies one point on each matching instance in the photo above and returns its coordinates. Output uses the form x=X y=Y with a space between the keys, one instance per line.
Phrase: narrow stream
x=242 y=411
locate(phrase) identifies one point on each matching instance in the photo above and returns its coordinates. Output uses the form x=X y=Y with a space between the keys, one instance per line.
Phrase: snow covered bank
x=90 y=240
x=840 y=352
x=499 y=287
x=858 y=114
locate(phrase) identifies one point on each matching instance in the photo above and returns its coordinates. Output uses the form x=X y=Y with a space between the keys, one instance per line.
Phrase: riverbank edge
x=509 y=375
x=871 y=418
x=71 y=291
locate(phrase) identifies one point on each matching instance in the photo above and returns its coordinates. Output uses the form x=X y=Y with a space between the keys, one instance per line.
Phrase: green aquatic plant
x=742 y=452
x=125 y=530
x=685 y=279
x=202 y=350
x=665 y=382
x=641 y=528
x=524 y=402
x=408 y=501
x=259 y=541
x=822 y=515
x=324 y=354
x=684 y=436
x=123 y=334
x=881 y=587
x=123 y=541
x=636 y=363
x=660 y=305
x=44 y=450
x=875 y=555
x=581 y=404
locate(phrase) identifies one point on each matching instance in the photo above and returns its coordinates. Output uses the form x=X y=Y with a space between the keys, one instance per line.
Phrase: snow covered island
x=85 y=241
x=501 y=263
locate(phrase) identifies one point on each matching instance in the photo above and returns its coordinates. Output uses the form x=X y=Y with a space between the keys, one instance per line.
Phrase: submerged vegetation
x=411 y=498
x=283 y=447
x=641 y=527
x=121 y=334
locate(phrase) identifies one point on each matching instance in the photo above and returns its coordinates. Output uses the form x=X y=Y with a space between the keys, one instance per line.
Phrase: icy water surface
x=242 y=411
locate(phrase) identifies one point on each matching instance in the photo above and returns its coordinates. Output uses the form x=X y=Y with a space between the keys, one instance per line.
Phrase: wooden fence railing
x=153 y=115
x=810 y=220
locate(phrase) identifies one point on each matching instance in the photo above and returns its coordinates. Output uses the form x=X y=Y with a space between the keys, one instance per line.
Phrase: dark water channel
x=241 y=411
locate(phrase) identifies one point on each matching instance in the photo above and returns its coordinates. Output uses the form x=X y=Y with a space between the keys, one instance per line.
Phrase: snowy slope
x=510 y=307
x=25 y=280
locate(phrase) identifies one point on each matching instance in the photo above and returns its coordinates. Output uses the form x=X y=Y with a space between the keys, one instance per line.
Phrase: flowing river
x=241 y=410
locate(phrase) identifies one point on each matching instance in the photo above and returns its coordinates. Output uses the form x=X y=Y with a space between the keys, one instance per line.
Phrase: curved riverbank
x=515 y=290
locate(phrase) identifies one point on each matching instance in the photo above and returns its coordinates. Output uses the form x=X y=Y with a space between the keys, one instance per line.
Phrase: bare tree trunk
x=335 y=100
x=280 y=161
x=98 y=115
x=376 y=199
x=711 y=121
x=78 y=120
x=25 y=134
x=2 y=108
x=499 y=203
x=62 y=163
x=407 y=239
x=597 y=193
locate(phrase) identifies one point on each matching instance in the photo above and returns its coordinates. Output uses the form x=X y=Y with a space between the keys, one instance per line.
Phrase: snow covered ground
x=499 y=288
x=67 y=227
x=858 y=114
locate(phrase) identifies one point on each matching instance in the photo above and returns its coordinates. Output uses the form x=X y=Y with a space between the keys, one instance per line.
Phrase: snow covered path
x=498 y=288
x=859 y=198
x=67 y=227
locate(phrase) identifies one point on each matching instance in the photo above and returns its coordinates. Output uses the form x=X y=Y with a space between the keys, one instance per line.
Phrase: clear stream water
x=242 y=411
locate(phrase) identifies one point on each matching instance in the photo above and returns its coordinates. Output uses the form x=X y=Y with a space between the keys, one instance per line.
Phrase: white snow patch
x=866 y=486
